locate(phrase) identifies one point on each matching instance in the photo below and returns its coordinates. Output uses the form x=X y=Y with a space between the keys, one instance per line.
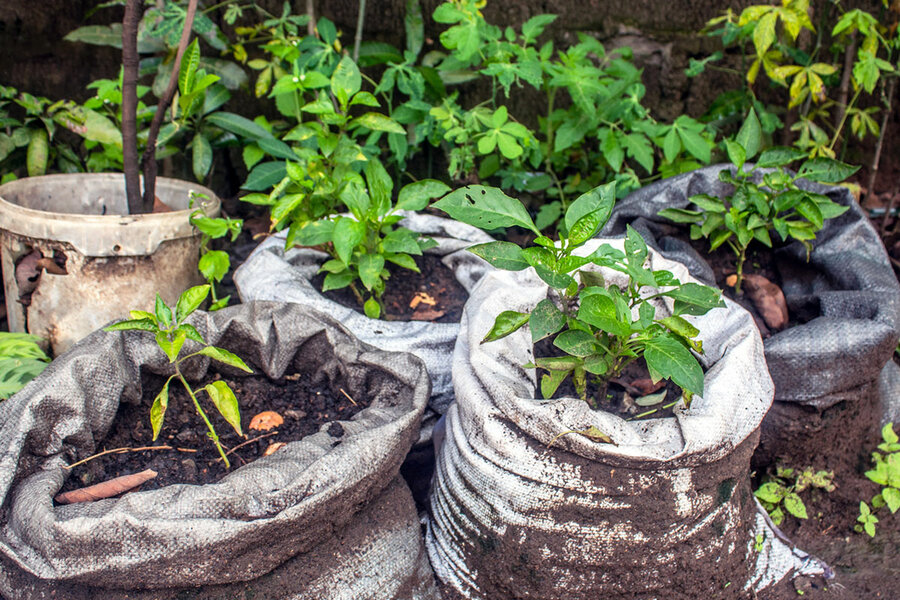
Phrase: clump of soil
x=622 y=394
x=433 y=294
x=304 y=406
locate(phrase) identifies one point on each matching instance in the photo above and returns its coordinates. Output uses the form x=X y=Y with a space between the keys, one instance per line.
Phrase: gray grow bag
x=322 y=518
x=833 y=374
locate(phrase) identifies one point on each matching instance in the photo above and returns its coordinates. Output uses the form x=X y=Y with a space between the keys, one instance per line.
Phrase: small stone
x=295 y=414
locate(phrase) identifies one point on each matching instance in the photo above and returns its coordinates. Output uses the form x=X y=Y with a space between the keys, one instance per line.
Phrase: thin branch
x=844 y=93
x=311 y=11
x=873 y=169
x=148 y=162
x=348 y=397
x=123 y=451
x=360 y=19
x=242 y=444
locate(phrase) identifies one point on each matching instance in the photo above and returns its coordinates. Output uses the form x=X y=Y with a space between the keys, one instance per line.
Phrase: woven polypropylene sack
x=832 y=361
x=292 y=509
x=273 y=273
x=666 y=511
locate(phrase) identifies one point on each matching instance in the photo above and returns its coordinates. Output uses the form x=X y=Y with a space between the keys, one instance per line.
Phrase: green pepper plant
x=171 y=334
x=362 y=242
x=780 y=493
x=600 y=327
x=766 y=198
x=21 y=360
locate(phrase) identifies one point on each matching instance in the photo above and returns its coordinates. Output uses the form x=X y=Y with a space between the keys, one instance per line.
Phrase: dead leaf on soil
x=265 y=421
x=422 y=298
x=106 y=489
x=766 y=297
x=646 y=385
x=273 y=448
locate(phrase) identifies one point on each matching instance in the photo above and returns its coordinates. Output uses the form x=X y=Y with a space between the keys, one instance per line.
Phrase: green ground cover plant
x=600 y=327
x=780 y=493
x=171 y=333
x=886 y=474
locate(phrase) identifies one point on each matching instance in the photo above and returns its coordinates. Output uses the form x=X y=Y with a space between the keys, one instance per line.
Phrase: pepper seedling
x=766 y=198
x=171 y=334
x=600 y=327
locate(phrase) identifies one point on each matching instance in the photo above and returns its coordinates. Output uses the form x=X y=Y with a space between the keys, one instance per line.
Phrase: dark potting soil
x=621 y=393
x=433 y=294
x=194 y=458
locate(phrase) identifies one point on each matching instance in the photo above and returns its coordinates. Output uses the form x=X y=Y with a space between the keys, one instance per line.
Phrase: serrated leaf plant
x=21 y=360
x=886 y=474
x=171 y=333
x=780 y=493
x=363 y=242
x=599 y=327
x=766 y=198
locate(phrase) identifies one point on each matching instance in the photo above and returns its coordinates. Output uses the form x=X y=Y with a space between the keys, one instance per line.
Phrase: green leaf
x=826 y=170
x=189 y=301
x=545 y=320
x=347 y=235
x=794 y=505
x=171 y=346
x=226 y=403
x=550 y=382
x=314 y=233
x=264 y=176
x=346 y=80
x=503 y=255
x=38 y=153
x=190 y=61
x=224 y=356
x=238 y=125
x=695 y=144
x=485 y=207
x=416 y=196
x=163 y=313
x=736 y=153
x=576 y=342
x=191 y=333
x=771 y=492
x=750 y=136
x=598 y=201
x=201 y=156
x=534 y=26
x=600 y=311
x=372 y=308
x=809 y=210
x=370 y=266
x=681 y=215
x=158 y=409
x=214 y=265
x=133 y=324
x=506 y=323
x=779 y=156
x=671 y=360
x=377 y=122
x=683 y=329
x=336 y=281
x=695 y=299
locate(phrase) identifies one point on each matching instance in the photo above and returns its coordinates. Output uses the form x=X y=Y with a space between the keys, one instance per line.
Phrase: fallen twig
x=348 y=397
x=123 y=451
x=242 y=444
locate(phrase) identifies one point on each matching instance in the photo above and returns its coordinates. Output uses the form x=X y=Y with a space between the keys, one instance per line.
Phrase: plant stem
x=130 y=63
x=148 y=161
x=311 y=11
x=876 y=158
x=212 y=432
x=837 y=132
x=844 y=93
x=742 y=256
x=360 y=19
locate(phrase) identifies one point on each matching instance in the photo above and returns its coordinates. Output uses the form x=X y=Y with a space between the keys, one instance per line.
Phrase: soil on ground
x=623 y=394
x=433 y=294
x=194 y=459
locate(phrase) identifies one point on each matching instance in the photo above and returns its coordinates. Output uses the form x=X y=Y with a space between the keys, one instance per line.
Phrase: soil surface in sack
x=433 y=295
x=630 y=396
x=865 y=568
x=304 y=408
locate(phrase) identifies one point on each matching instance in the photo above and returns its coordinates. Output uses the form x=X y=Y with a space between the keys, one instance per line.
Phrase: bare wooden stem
x=876 y=158
x=130 y=62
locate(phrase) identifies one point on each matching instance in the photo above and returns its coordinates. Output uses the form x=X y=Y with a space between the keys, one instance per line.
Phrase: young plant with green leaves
x=600 y=327
x=886 y=474
x=214 y=264
x=766 y=198
x=21 y=360
x=171 y=334
x=781 y=492
x=363 y=242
